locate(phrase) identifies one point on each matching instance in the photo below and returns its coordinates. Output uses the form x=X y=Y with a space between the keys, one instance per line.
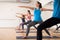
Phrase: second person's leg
x=47 y=32
x=28 y=28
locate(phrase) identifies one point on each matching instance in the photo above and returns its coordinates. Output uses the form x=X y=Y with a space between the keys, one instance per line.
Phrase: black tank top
x=23 y=19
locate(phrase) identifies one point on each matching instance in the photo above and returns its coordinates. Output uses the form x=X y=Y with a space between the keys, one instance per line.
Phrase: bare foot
x=17 y=28
x=25 y=37
x=51 y=36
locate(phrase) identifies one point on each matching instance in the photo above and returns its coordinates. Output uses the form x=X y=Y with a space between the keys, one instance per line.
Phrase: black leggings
x=47 y=24
x=57 y=27
x=32 y=24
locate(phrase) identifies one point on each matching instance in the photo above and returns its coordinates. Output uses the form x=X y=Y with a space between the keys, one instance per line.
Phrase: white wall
x=45 y=1
x=15 y=0
x=7 y=0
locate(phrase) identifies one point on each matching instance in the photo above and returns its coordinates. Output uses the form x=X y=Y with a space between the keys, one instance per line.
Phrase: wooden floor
x=52 y=32
x=7 y=34
x=10 y=34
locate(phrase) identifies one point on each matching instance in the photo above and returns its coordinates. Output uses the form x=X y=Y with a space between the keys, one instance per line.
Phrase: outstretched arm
x=32 y=15
x=22 y=14
x=19 y=16
x=32 y=8
x=45 y=9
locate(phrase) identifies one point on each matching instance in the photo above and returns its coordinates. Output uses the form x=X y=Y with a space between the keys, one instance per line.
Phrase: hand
x=20 y=6
x=17 y=13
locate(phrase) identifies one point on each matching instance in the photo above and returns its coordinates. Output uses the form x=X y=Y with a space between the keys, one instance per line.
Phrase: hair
x=40 y=5
x=23 y=16
x=29 y=11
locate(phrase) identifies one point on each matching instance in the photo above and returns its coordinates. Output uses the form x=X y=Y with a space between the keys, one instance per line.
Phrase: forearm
x=19 y=13
x=18 y=16
x=49 y=10
x=32 y=15
x=44 y=9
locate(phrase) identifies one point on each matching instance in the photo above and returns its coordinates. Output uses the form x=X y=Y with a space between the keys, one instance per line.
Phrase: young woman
x=28 y=17
x=37 y=16
x=23 y=20
x=55 y=19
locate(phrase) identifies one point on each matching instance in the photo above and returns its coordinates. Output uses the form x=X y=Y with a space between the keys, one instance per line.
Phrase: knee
x=28 y=25
x=40 y=28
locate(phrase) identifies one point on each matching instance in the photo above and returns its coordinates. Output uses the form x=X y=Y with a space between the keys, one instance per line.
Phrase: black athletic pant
x=47 y=24
x=32 y=24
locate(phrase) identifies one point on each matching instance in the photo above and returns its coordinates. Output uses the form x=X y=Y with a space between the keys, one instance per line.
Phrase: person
x=28 y=17
x=55 y=19
x=37 y=16
x=23 y=20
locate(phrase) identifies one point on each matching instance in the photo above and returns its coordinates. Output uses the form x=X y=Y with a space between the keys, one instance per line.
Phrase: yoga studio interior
x=15 y=13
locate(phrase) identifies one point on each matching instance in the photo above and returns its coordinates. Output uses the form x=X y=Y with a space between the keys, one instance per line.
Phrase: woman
x=28 y=17
x=37 y=16
x=23 y=20
x=55 y=19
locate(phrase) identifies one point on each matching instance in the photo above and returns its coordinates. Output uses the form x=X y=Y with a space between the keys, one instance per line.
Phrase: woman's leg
x=21 y=24
x=47 y=32
x=48 y=23
x=57 y=27
x=22 y=27
x=35 y=27
x=25 y=23
x=37 y=23
x=28 y=28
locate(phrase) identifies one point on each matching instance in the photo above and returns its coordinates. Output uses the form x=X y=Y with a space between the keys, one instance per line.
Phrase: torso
x=23 y=19
x=28 y=17
x=37 y=15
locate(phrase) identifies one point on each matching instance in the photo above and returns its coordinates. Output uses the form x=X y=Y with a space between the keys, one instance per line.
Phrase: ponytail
x=29 y=11
x=40 y=5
